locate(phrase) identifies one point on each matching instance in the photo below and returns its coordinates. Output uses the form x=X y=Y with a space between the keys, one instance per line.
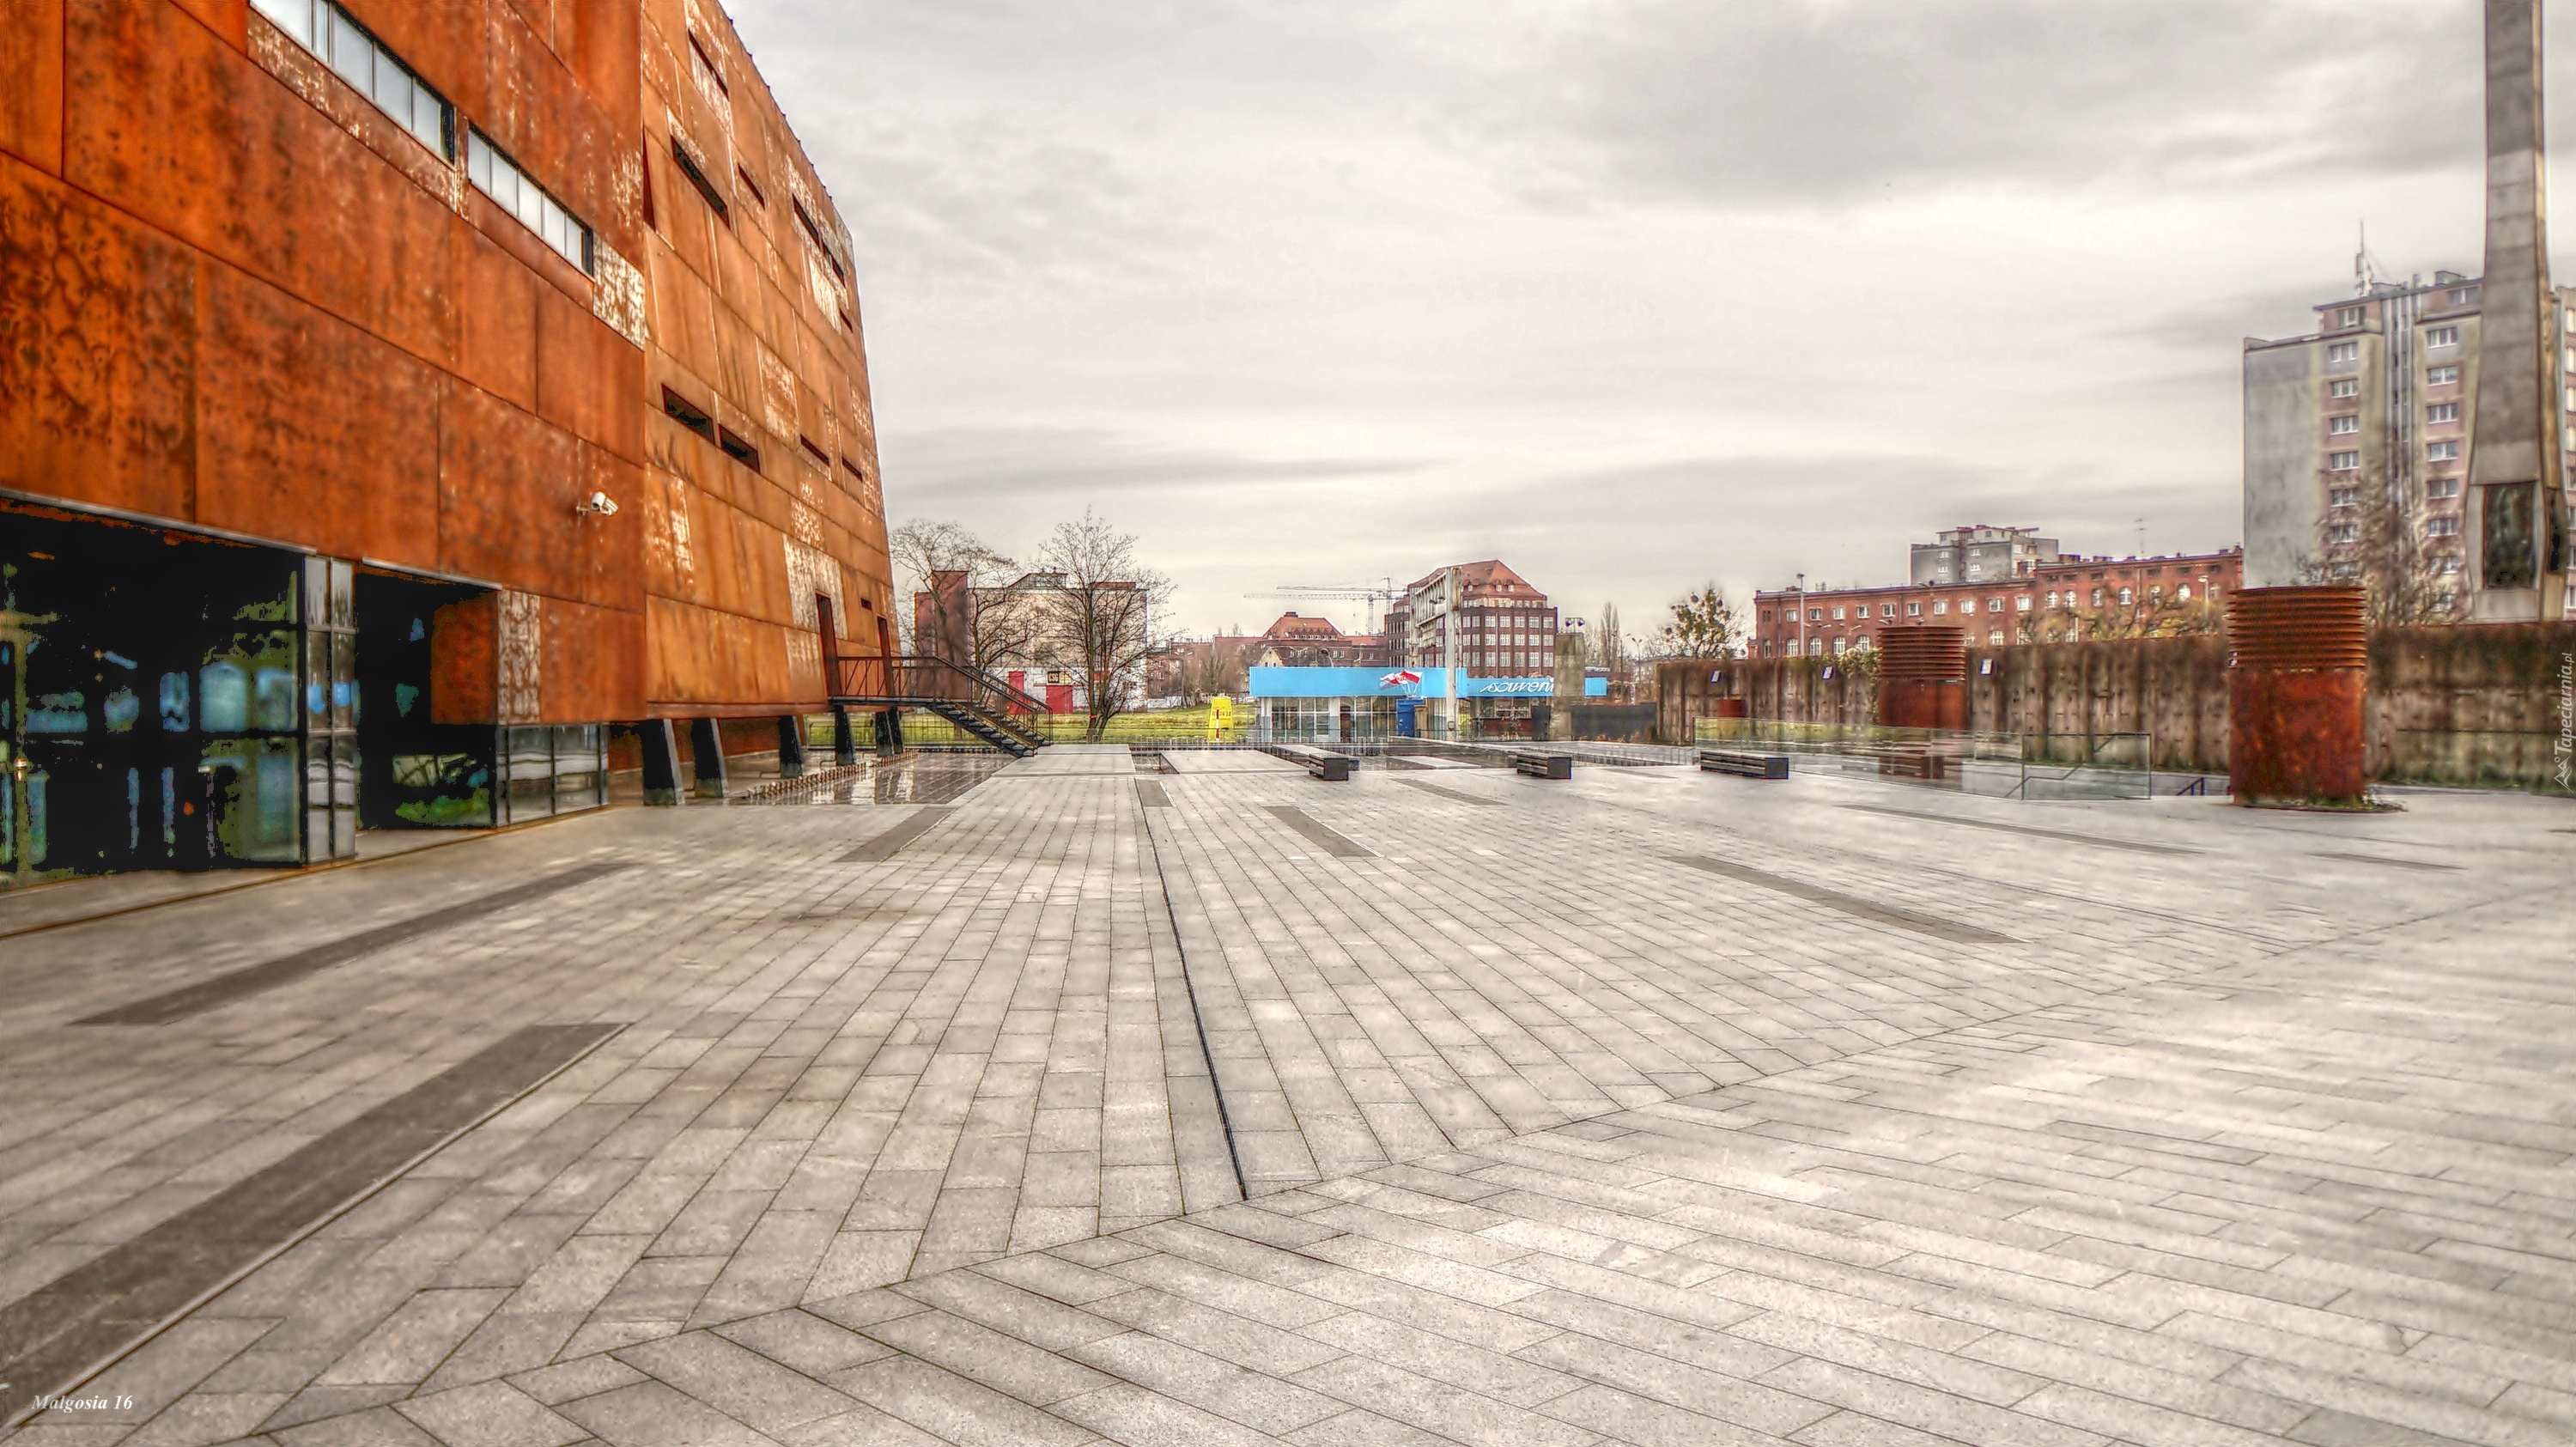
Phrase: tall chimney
x=2515 y=492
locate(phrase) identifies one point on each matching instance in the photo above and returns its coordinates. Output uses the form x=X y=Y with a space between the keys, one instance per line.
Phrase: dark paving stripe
x=68 y=1330
x=2382 y=859
x=883 y=847
x=1331 y=842
x=2071 y=836
x=1151 y=794
x=1446 y=793
x=206 y=995
x=1923 y=924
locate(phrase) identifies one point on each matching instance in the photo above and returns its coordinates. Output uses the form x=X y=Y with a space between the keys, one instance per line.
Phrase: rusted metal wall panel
x=31 y=85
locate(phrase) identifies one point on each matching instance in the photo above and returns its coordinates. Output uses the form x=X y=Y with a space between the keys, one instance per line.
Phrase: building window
x=2097 y=597
x=1886 y=610
x=2442 y=412
x=342 y=44
x=2344 y=533
x=2182 y=594
x=696 y=176
x=2447 y=526
x=2344 y=387
x=496 y=176
x=1913 y=610
x=2463 y=295
x=2349 y=316
x=1940 y=607
x=1841 y=643
x=2447 y=567
x=2440 y=487
x=2127 y=596
x=2442 y=376
x=2343 y=352
x=1838 y=615
x=2442 y=451
x=1815 y=615
x=1994 y=605
x=2343 y=497
x=2052 y=598
x=2343 y=426
x=1815 y=646
x=2343 y=461
x=2022 y=603
x=1995 y=635
x=2441 y=336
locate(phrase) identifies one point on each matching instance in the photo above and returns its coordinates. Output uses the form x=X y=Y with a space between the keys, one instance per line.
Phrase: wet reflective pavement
x=1051 y=1103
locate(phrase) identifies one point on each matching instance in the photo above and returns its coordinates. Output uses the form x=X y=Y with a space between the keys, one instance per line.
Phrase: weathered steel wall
x=2071 y=696
x=2458 y=705
x=235 y=295
x=752 y=322
x=2477 y=705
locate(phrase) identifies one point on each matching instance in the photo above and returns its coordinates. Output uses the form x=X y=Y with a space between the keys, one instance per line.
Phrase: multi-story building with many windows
x=2375 y=409
x=2033 y=597
x=398 y=401
x=1504 y=626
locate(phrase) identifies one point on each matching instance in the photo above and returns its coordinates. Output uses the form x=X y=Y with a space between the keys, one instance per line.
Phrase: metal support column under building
x=791 y=746
x=706 y=757
x=661 y=761
x=845 y=749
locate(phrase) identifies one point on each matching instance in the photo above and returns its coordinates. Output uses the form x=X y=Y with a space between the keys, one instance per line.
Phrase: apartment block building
x=2060 y=594
x=2375 y=408
x=1979 y=553
x=401 y=400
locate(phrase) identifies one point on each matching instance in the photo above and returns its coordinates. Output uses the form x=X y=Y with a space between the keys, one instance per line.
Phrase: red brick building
x=399 y=396
x=2068 y=595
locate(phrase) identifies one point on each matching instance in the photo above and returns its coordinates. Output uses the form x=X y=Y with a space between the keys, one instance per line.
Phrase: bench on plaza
x=1912 y=761
x=1744 y=765
x=1539 y=764
x=1324 y=764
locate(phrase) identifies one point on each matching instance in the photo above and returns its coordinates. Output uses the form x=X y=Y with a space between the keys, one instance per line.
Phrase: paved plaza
x=1060 y=1102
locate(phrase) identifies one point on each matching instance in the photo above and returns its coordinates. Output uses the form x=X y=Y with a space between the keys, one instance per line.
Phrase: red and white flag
x=1401 y=678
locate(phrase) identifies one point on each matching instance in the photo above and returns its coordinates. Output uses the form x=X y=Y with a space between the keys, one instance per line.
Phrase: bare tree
x=960 y=574
x=2369 y=535
x=1099 y=614
x=1214 y=667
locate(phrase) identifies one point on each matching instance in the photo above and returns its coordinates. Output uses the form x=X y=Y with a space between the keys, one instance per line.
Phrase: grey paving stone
x=1651 y=1154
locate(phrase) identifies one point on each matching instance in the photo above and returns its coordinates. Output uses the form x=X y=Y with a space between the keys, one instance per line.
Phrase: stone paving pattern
x=1530 y=1133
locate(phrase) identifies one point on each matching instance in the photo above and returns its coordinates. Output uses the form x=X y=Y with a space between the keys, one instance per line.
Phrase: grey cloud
x=926 y=470
x=1831 y=101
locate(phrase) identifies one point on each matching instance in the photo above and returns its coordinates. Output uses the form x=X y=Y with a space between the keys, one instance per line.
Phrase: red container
x=2294 y=689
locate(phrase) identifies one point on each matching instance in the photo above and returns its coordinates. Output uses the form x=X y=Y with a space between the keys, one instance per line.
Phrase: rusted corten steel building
x=396 y=401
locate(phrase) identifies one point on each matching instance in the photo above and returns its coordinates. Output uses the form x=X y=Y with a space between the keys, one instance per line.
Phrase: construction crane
x=1356 y=592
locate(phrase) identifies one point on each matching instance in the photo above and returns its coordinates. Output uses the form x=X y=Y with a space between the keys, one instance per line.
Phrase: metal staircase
x=969 y=698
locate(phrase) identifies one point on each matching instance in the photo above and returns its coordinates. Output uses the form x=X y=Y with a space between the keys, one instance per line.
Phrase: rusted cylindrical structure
x=1923 y=678
x=2297 y=657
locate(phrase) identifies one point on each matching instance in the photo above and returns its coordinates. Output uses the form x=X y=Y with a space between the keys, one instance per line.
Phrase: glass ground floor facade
x=172 y=700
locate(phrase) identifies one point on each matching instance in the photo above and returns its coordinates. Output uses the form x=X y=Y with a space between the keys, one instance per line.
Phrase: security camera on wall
x=598 y=504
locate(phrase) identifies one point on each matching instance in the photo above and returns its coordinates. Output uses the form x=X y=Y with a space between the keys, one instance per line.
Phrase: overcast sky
x=1630 y=295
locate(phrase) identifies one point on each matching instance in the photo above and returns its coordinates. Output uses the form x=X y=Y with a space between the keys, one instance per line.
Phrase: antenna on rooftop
x=2364 y=277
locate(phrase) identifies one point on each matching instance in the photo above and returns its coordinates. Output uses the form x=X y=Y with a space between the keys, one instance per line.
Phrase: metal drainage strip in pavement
x=1447 y=793
x=2069 y=835
x=224 y=989
x=1151 y=794
x=1332 y=843
x=2383 y=859
x=883 y=846
x=65 y=1332
x=1922 y=924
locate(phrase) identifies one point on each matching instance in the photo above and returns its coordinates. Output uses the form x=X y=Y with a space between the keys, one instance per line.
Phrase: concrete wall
x=2283 y=430
x=2462 y=705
